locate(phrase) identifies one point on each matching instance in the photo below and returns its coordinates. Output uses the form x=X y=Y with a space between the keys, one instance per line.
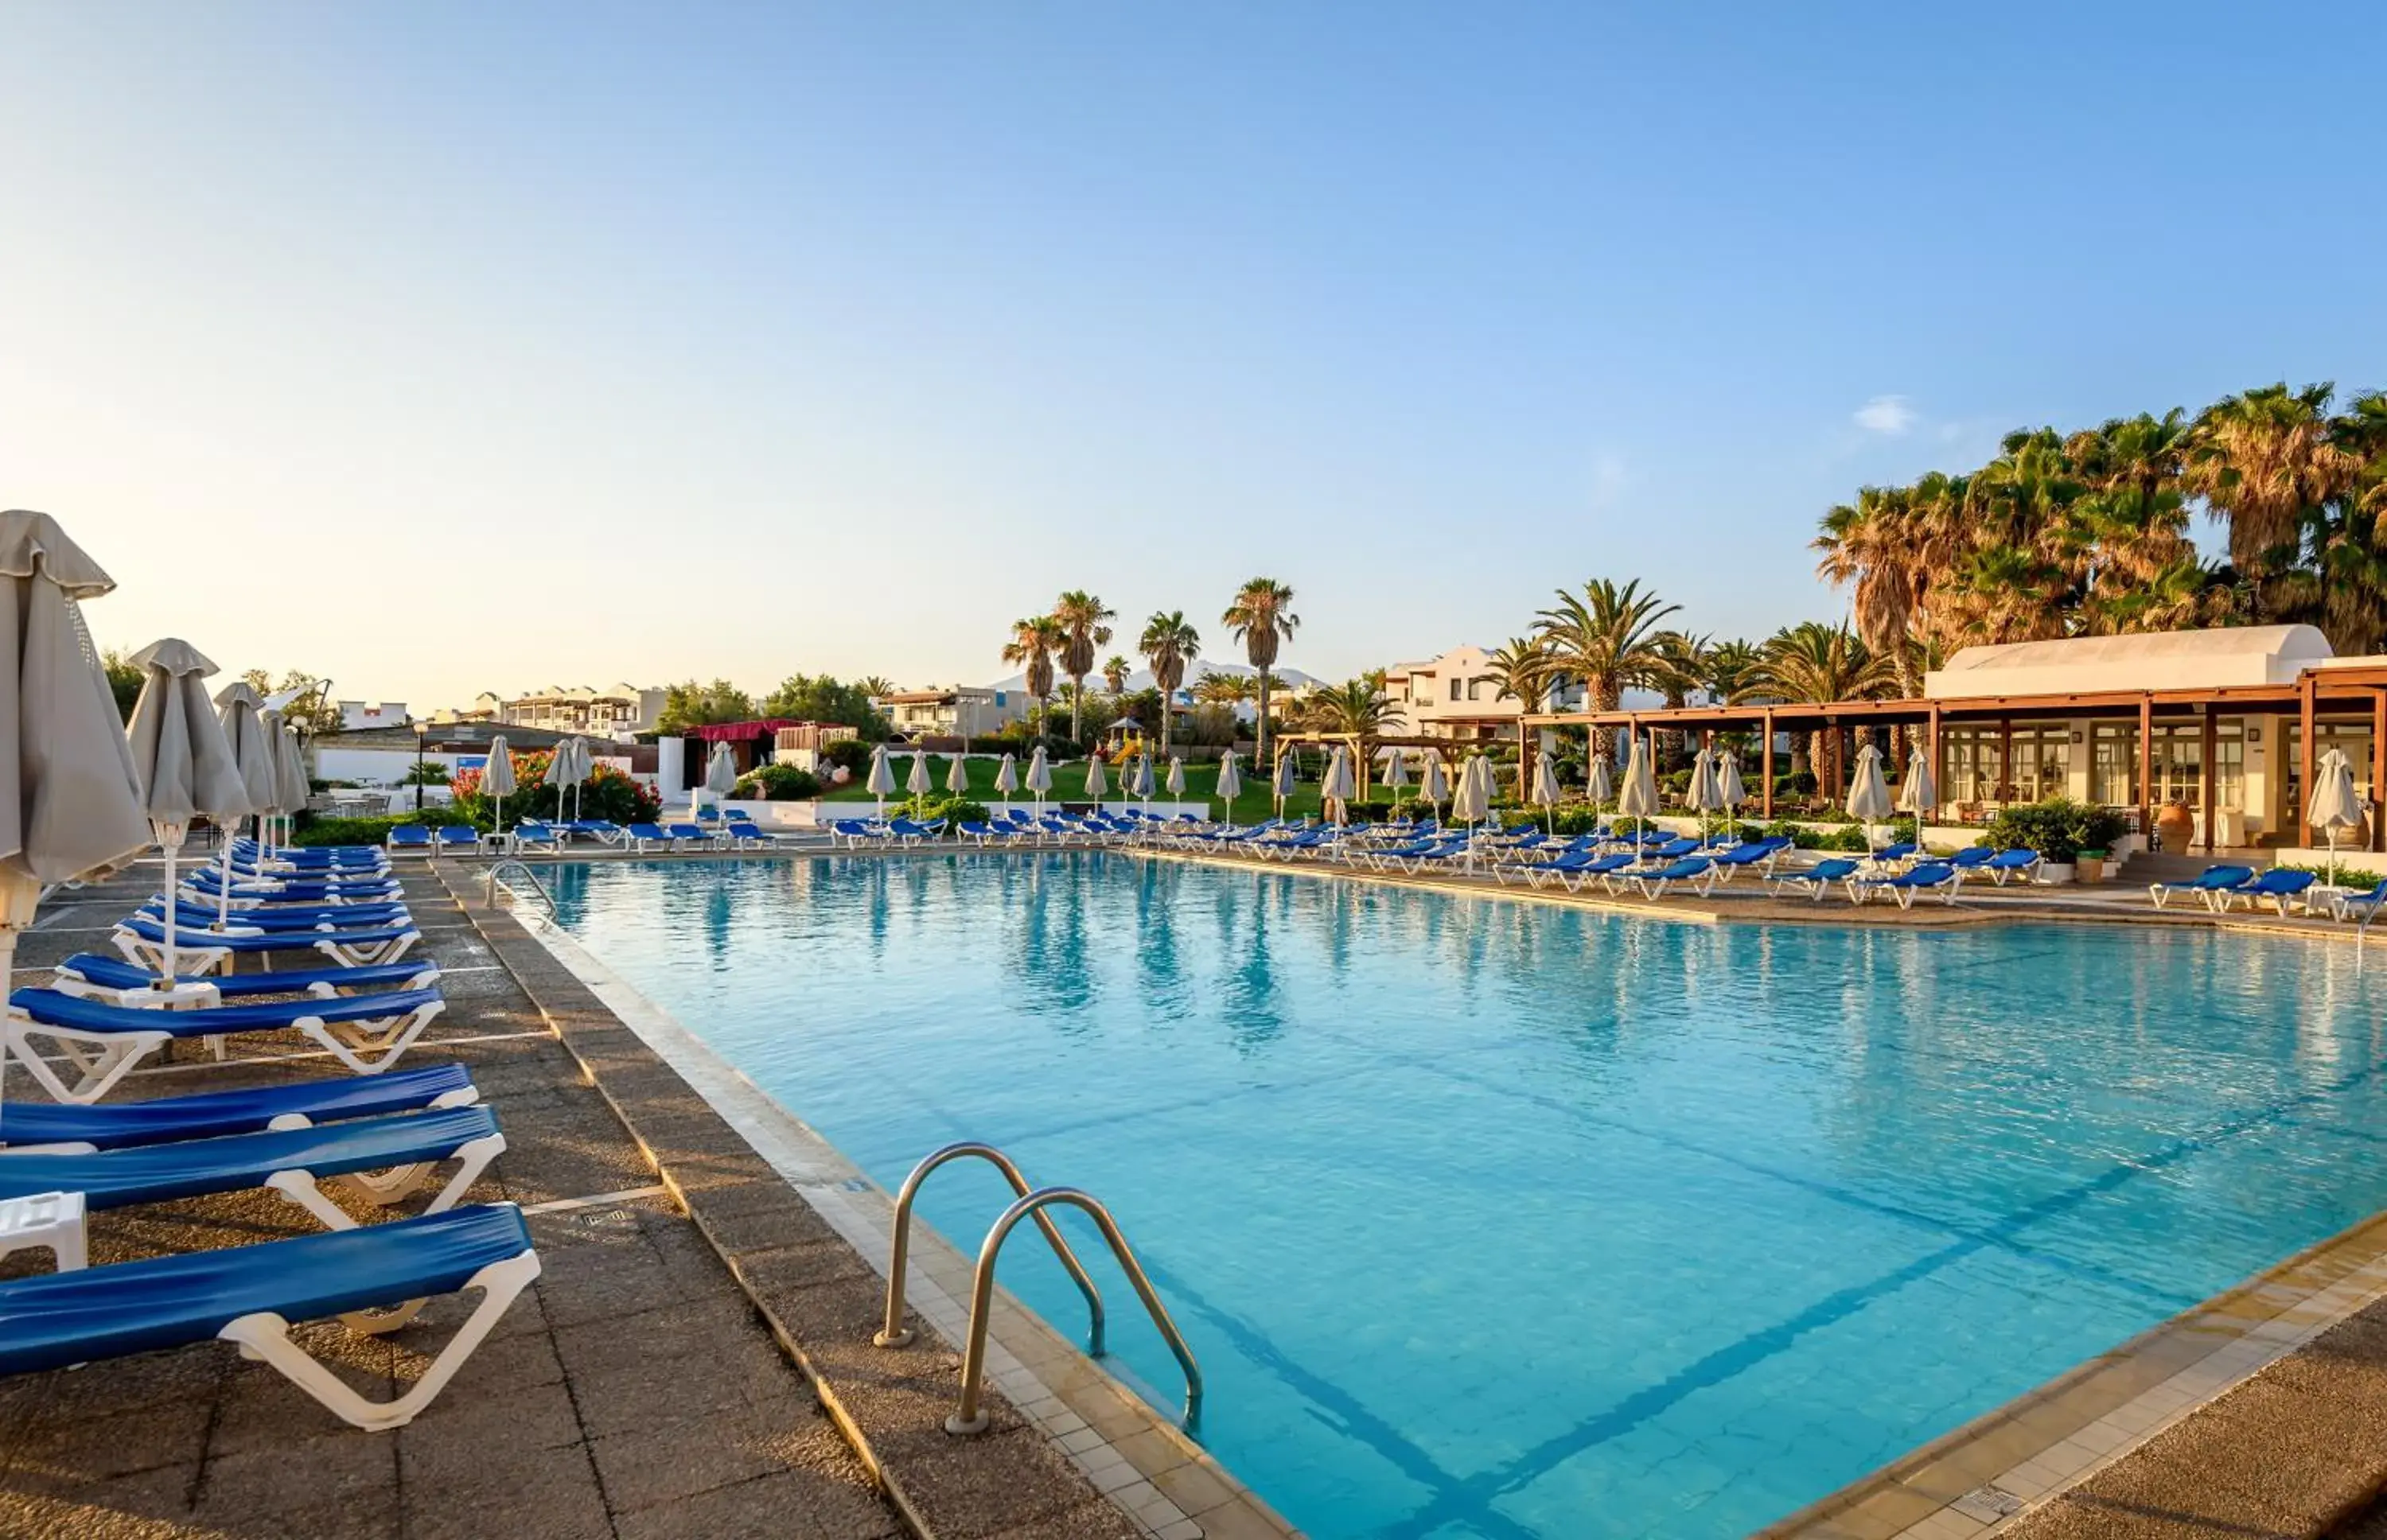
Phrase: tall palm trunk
x=1263 y=727
x=1077 y=708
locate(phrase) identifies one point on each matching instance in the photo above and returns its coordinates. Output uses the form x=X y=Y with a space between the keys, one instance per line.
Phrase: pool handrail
x=972 y=1418
x=892 y=1333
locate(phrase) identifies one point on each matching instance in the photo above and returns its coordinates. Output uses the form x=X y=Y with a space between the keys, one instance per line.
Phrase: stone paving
x=635 y=1392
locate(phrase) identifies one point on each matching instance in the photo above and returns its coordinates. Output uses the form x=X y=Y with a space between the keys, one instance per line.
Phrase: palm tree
x=1083 y=621
x=875 y=686
x=1811 y=662
x=1169 y=644
x=1262 y=619
x=1523 y=669
x=1033 y=642
x=2262 y=459
x=1730 y=664
x=1115 y=673
x=1607 y=636
x=1357 y=709
x=1223 y=689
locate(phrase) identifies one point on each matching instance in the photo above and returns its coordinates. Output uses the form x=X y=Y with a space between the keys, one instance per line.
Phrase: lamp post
x=422 y=731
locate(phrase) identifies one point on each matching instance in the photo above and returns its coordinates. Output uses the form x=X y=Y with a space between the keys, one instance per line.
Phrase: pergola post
x=2005 y=759
x=2379 y=770
x=1766 y=797
x=2211 y=761
x=1931 y=757
x=2307 y=702
x=2146 y=768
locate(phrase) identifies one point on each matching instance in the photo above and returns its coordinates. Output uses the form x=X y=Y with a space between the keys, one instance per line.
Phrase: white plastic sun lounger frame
x=100 y=1059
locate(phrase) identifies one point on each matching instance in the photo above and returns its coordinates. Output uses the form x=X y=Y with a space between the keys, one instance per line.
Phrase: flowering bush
x=607 y=794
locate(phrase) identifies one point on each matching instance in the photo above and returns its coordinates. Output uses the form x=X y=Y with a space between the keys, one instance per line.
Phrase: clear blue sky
x=646 y=341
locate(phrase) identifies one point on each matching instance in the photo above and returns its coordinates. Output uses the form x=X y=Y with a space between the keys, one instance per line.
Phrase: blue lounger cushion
x=217 y=1114
x=251 y=1295
x=367 y=1033
x=198 y=1168
x=347 y=916
x=51 y=1008
x=113 y=973
x=148 y=929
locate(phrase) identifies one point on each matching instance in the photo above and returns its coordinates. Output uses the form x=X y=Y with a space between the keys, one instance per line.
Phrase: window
x=2114 y=763
x=1454 y=689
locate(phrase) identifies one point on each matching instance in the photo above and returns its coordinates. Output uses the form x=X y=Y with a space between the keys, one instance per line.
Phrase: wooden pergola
x=2316 y=692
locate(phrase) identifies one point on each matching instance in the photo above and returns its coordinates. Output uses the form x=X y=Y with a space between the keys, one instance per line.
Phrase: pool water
x=1501 y=1219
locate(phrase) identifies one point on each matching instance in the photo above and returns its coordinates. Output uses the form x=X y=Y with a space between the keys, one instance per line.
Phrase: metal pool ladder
x=972 y=1418
x=498 y=876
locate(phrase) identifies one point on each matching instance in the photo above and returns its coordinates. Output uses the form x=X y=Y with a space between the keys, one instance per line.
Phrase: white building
x=357 y=715
x=952 y=711
x=1457 y=695
x=620 y=711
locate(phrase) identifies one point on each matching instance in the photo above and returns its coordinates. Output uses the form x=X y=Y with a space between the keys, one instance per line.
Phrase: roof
x=738 y=732
x=2154 y=660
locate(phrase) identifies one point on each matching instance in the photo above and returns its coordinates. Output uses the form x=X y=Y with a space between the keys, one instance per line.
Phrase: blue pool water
x=1497 y=1220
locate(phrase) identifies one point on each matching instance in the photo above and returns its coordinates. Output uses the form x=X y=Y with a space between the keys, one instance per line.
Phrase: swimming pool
x=1502 y=1220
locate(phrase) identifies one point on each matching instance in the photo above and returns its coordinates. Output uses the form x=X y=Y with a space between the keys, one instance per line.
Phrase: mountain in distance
x=1288 y=679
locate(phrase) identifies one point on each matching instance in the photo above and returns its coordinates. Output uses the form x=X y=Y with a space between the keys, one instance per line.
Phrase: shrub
x=431 y=772
x=777 y=783
x=366 y=832
x=850 y=754
x=2058 y=828
x=607 y=794
x=959 y=810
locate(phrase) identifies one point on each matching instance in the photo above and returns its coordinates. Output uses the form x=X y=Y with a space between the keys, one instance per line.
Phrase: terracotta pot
x=2175 y=829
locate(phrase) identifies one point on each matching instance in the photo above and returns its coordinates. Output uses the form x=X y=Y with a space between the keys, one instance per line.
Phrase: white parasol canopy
x=1176 y=782
x=498 y=779
x=1040 y=777
x=919 y=783
x=1231 y=786
x=186 y=767
x=252 y=750
x=1098 y=784
x=882 y=777
x=1544 y=790
x=1729 y=789
x=957 y=776
x=1006 y=779
x=1638 y=799
x=1869 y=800
x=1920 y=794
x=2334 y=805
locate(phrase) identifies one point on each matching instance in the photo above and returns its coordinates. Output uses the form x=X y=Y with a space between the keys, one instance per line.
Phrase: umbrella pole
x=173 y=902
x=20 y=895
x=223 y=889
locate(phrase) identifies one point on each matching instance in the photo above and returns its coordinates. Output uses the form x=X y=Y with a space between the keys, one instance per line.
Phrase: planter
x=2093 y=867
x=2052 y=873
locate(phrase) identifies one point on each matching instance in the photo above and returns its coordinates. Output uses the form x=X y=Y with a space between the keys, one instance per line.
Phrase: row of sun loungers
x=382 y=1134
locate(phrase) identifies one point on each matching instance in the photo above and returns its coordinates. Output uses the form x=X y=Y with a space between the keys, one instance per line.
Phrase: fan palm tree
x=1607 y=636
x=1169 y=644
x=1730 y=665
x=1033 y=642
x=1085 y=627
x=1357 y=709
x=1223 y=689
x=2262 y=459
x=875 y=686
x=1262 y=619
x=1115 y=673
x=1811 y=662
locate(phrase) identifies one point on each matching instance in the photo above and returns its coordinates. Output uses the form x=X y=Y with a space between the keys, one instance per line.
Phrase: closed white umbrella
x=1637 y=798
x=1869 y=800
x=1288 y=776
x=498 y=780
x=957 y=776
x=1545 y=788
x=1338 y=785
x=559 y=772
x=919 y=783
x=69 y=798
x=584 y=765
x=1919 y=794
x=186 y=768
x=1143 y=783
x=1435 y=782
x=721 y=773
x=1231 y=786
x=2333 y=805
x=289 y=776
x=1098 y=784
x=1600 y=785
x=881 y=783
x=1729 y=790
x=252 y=750
x=1176 y=778
x=1396 y=776
x=1471 y=801
x=1007 y=780
x=1040 y=777
x=1704 y=795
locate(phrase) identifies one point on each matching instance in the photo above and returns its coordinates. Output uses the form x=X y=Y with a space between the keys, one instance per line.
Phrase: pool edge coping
x=1168 y=1485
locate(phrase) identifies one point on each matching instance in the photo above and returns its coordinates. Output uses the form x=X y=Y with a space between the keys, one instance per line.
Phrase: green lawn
x=1069 y=784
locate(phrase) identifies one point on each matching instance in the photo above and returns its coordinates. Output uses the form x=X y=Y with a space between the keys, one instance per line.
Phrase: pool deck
x=681 y=1215
x=693 y=1359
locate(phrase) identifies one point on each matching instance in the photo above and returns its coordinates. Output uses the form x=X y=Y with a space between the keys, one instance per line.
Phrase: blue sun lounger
x=639 y=836
x=1815 y=880
x=462 y=839
x=143 y=939
x=343 y=856
x=253 y=1295
x=1922 y=877
x=292 y=1162
x=287 y=917
x=408 y=836
x=2277 y=885
x=2013 y=866
x=1538 y=874
x=685 y=834
x=1758 y=854
x=366 y=1032
x=71 y=1127
x=91 y=975
x=1693 y=871
x=2212 y=880
x=207 y=882
x=532 y=835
